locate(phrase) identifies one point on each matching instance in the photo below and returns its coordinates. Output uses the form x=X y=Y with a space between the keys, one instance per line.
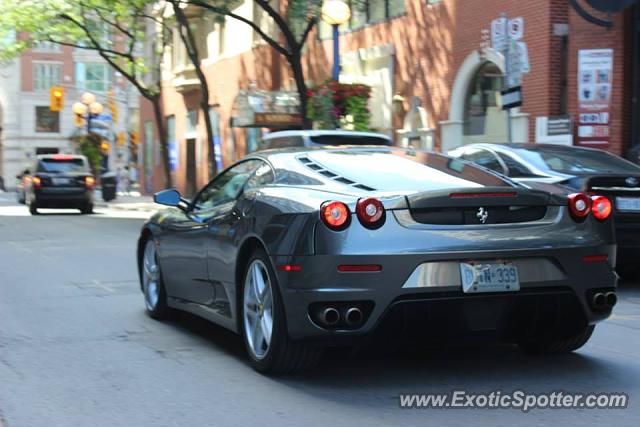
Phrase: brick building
x=27 y=125
x=433 y=85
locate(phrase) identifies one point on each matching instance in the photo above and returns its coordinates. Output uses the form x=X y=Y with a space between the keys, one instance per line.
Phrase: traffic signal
x=104 y=146
x=134 y=138
x=56 y=94
x=113 y=107
x=122 y=139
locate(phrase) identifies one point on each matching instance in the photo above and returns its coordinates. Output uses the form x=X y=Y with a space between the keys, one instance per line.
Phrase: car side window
x=262 y=176
x=484 y=158
x=516 y=169
x=226 y=186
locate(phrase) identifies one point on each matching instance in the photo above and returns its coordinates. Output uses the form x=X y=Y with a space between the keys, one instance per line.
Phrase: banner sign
x=174 y=155
x=595 y=75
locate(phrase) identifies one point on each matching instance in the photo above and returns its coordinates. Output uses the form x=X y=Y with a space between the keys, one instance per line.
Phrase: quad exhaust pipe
x=339 y=316
x=604 y=300
x=329 y=316
x=353 y=316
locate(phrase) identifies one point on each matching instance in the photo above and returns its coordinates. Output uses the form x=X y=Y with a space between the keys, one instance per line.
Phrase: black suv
x=60 y=181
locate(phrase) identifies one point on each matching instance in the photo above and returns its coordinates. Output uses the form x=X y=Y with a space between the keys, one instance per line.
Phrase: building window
x=482 y=113
x=192 y=120
x=95 y=77
x=47 y=120
x=45 y=75
x=46 y=47
x=364 y=12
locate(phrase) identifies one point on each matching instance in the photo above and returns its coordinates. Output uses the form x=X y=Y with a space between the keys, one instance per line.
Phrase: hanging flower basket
x=334 y=105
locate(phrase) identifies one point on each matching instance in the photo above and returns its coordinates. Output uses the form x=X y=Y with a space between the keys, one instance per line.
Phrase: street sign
x=102 y=118
x=516 y=28
x=511 y=97
x=498 y=34
x=518 y=62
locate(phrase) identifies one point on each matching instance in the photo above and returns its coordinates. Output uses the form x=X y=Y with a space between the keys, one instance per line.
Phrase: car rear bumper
x=431 y=282
x=63 y=197
x=628 y=242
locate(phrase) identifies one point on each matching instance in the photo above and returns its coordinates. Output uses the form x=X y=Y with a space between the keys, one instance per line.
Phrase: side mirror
x=168 y=197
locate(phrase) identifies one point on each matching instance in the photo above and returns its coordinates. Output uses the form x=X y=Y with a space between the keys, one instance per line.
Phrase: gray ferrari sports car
x=305 y=248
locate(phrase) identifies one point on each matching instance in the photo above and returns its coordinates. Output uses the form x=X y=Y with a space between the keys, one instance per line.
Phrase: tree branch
x=249 y=22
x=312 y=23
x=280 y=22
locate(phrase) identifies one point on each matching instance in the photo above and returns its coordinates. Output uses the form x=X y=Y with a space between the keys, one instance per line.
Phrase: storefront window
x=483 y=116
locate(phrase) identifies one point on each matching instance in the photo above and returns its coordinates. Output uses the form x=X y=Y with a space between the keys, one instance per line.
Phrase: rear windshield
x=61 y=165
x=349 y=140
x=577 y=161
x=399 y=170
x=298 y=141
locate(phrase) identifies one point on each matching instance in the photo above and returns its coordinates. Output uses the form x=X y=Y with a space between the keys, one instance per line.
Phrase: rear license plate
x=630 y=204
x=60 y=181
x=499 y=276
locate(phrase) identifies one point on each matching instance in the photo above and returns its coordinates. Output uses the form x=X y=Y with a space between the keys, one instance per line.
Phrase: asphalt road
x=77 y=349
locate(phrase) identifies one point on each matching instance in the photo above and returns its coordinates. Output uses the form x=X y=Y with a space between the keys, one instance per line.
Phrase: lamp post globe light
x=88 y=108
x=335 y=13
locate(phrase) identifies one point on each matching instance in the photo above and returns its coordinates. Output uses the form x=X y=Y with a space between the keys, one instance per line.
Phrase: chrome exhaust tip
x=599 y=301
x=353 y=316
x=611 y=299
x=329 y=316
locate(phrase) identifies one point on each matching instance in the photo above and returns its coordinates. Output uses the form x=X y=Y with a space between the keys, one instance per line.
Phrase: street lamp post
x=335 y=13
x=88 y=108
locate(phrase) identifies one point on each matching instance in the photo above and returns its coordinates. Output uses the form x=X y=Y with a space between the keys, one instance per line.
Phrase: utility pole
x=507 y=69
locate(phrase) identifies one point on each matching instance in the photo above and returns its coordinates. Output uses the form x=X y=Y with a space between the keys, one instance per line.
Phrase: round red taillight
x=601 y=207
x=335 y=215
x=370 y=212
x=579 y=205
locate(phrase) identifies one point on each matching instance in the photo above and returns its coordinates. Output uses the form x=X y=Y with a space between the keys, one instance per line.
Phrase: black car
x=304 y=248
x=60 y=181
x=580 y=169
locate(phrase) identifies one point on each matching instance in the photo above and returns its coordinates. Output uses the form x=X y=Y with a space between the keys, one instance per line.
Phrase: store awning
x=264 y=109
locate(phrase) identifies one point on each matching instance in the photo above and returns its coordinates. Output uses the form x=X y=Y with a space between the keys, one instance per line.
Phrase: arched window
x=484 y=119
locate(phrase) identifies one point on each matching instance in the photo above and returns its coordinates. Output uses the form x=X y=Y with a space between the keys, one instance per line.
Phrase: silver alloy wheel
x=258 y=309
x=150 y=276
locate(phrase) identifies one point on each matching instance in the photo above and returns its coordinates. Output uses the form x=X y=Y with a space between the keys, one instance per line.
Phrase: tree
x=294 y=23
x=189 y=41
x=115 y=29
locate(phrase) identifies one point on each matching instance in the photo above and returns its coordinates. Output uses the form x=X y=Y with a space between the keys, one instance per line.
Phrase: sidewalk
x=127 y=202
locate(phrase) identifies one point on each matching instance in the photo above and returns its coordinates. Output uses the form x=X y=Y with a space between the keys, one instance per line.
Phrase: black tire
x=160 y=310
x=284 y=355
x=551 y=345
x=33 y=208
x=87 y=209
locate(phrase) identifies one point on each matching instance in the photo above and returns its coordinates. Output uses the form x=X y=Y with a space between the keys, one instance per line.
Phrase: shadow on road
x=475 y=368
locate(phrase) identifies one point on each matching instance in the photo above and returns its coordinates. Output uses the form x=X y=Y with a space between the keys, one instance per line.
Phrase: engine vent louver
x=332 y=175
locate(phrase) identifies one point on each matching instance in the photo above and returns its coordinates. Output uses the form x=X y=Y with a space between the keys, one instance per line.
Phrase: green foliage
x=333 y=104
x=113 y=28
x=89 y=145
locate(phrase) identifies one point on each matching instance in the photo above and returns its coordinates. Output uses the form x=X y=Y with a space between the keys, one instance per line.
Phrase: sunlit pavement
x=76 y=349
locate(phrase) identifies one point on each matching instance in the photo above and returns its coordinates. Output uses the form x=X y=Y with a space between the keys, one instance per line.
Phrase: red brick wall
x=584 y=35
